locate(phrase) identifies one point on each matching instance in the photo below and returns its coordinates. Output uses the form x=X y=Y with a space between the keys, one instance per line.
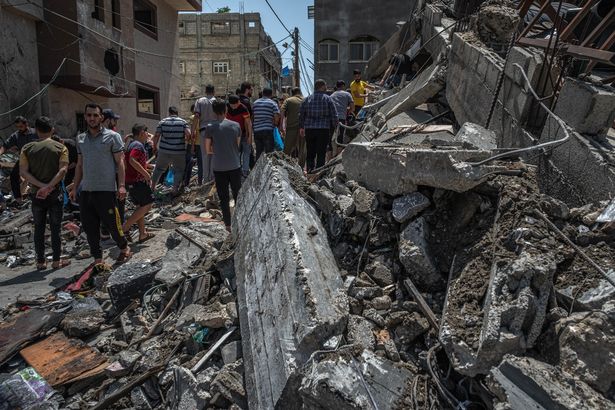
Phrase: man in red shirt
x=239 y=113
x=138 y=181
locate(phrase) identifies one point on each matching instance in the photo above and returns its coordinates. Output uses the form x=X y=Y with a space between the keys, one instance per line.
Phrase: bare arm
x=195 y=125
x=208 y=146
x=77 y=179
x=121 y=174
x=155 y=142
x=25 y=173
x=248 y=126
x=188 y=136
x=136 y=165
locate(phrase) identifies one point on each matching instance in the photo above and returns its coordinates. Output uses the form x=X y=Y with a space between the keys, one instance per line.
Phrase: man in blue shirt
x=317 y=118
x=266 y=118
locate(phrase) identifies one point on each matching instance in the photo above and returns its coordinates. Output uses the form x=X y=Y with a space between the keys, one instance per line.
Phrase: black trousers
x=41 y=208
x=16 y=181
x=263 y=141
x=316 y=142
x=98 y=208
x=224 y=180
x=121 y=209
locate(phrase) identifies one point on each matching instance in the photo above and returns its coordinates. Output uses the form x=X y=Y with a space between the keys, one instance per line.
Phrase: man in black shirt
x=22 y=136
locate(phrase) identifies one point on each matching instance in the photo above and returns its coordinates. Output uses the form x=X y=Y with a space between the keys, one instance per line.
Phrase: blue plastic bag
x=278 y=143
x=170 y=177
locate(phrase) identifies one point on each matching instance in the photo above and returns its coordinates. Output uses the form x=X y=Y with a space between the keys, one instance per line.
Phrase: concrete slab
x=398 y=170
x=290 y=293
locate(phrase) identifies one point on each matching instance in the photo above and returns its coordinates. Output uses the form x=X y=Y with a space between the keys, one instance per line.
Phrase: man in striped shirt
x=266 y=118
x=170 y=146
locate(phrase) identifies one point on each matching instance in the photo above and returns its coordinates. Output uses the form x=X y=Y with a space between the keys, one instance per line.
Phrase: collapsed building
x=458 y=254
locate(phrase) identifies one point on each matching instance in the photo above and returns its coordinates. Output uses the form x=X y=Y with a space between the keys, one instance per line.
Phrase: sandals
x=146 y=238
x=123 y=257
x=62 y=263
x=41 y=266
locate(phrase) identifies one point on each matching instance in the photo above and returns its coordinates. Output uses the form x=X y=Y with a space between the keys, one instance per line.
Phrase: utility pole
x=296 y=59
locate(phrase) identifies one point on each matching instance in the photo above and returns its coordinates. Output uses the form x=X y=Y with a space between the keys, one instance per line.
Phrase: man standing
x=100 y=166
x=203 y=115
x=170 y=140
x=237 y=112
x=359 y=90
x=245 y=95
x=23 y=135
x=43 y=164
x=222 y=139
x=138 y=181
x=266 y=118
x=343 y=105
x=292 y=141
x=317 y=118
x=193 y=149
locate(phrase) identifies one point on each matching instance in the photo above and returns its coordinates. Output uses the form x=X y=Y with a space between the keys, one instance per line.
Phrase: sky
x=294 y=15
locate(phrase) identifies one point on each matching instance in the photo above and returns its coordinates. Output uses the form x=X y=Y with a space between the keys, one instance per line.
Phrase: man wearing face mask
x=22 y=136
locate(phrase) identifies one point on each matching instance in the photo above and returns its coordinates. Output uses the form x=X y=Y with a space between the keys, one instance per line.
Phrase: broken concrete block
x=335 y=382
x=398 y=170
x=231 y=352
x=408 y=206
x=178 y=260
x=229 y=384
x=128 y=358
x=521 y=383
x=346 y=205
x=290 y=293
x=326 y=200
x=187 y=392
x=116 y=370
x=214 y=316
x=381 y=302
x=82 y=324
x=473 y=136
x=360 y=331
x=515 y=308
x=365 y=201
x=130 y=281
x=587 y=346
x=412 y=326
x=592 y=297
x=415 y=256
x=380 y=274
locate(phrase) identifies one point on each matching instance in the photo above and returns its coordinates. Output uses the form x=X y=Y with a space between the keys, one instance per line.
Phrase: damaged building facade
x=458 y=254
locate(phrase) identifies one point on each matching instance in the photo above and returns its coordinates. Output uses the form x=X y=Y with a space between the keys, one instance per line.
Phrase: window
x=329 y=51
x=182 y=67
x=223 y=27
x=148 y=101
x=362 y=49
x=99 y=10
x=116 y=18
x=252 y=24
x=145 y=17
x=220 y=67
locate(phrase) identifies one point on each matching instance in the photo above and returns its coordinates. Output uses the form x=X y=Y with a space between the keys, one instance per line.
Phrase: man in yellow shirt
x=359 y=90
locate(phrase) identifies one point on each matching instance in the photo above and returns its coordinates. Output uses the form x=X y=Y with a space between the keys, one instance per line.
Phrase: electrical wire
x=278 y=17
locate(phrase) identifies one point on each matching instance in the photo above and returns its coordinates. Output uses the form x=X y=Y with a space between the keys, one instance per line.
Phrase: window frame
x=142 y=27
x=363 y=43
x=225 y=23
x=328 y=43
x=223 y=63
x=156 y=91
x=116 y=16
x=99 y=11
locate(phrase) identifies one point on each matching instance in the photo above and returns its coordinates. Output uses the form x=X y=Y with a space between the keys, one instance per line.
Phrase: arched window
x=363 y=48
x=329 y=51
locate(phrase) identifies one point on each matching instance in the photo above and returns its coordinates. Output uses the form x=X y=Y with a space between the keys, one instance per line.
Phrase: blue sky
x=294 y=15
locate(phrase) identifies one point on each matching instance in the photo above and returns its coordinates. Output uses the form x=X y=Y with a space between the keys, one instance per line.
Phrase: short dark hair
x=237 y=91
x=296 y=91
x=219 y=106
x=192 y=108
x=267 y=92
x=320 y=83
x=209 y=89
x=355 y=72
x=246 y=85
x=93 y=105
x=233 y=99
x=340 y=84
x=173 y=110
x=43 y=124
x=20 y=119
x=137 y=128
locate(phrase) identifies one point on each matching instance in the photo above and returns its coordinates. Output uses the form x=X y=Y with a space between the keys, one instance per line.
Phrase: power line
x=278 y=17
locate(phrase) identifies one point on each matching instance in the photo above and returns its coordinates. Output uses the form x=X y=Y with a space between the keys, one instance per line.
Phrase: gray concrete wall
x=19 y=75
x=346 y=20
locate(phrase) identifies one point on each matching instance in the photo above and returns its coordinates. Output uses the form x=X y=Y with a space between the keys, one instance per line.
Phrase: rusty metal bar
x=530 y=25
x=568 y=31
x=599 y=28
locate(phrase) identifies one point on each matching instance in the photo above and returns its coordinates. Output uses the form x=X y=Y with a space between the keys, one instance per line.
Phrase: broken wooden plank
x=60 y=360
x=431 y=318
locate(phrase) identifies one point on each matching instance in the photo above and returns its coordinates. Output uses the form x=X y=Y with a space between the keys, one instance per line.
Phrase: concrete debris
x=408 y=206
x=473 y=136
x=130 y=281
x=182 y=254
x=521 y=383
x=497 y=21
x=290 y=294
x=414 y=254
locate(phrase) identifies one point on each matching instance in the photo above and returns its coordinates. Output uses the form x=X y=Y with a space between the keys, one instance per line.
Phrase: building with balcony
x=120 y=54
x=348 y=32
x=225 y=50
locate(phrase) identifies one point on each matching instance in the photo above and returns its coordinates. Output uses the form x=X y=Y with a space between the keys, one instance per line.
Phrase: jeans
x=98 y=208
x=316 y=141
x=246 y=150
x=264 y=142
x=224 y=179
x=190 y=163
x=41 y=208
x=164 y=161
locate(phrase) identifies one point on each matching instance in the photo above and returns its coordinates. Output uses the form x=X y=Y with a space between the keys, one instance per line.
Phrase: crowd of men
x=99 y=169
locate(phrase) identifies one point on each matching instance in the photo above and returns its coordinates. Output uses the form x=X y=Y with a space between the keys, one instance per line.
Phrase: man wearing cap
x=23 y=135
x=344 y=104
x=170 y=140
x=110 y=119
